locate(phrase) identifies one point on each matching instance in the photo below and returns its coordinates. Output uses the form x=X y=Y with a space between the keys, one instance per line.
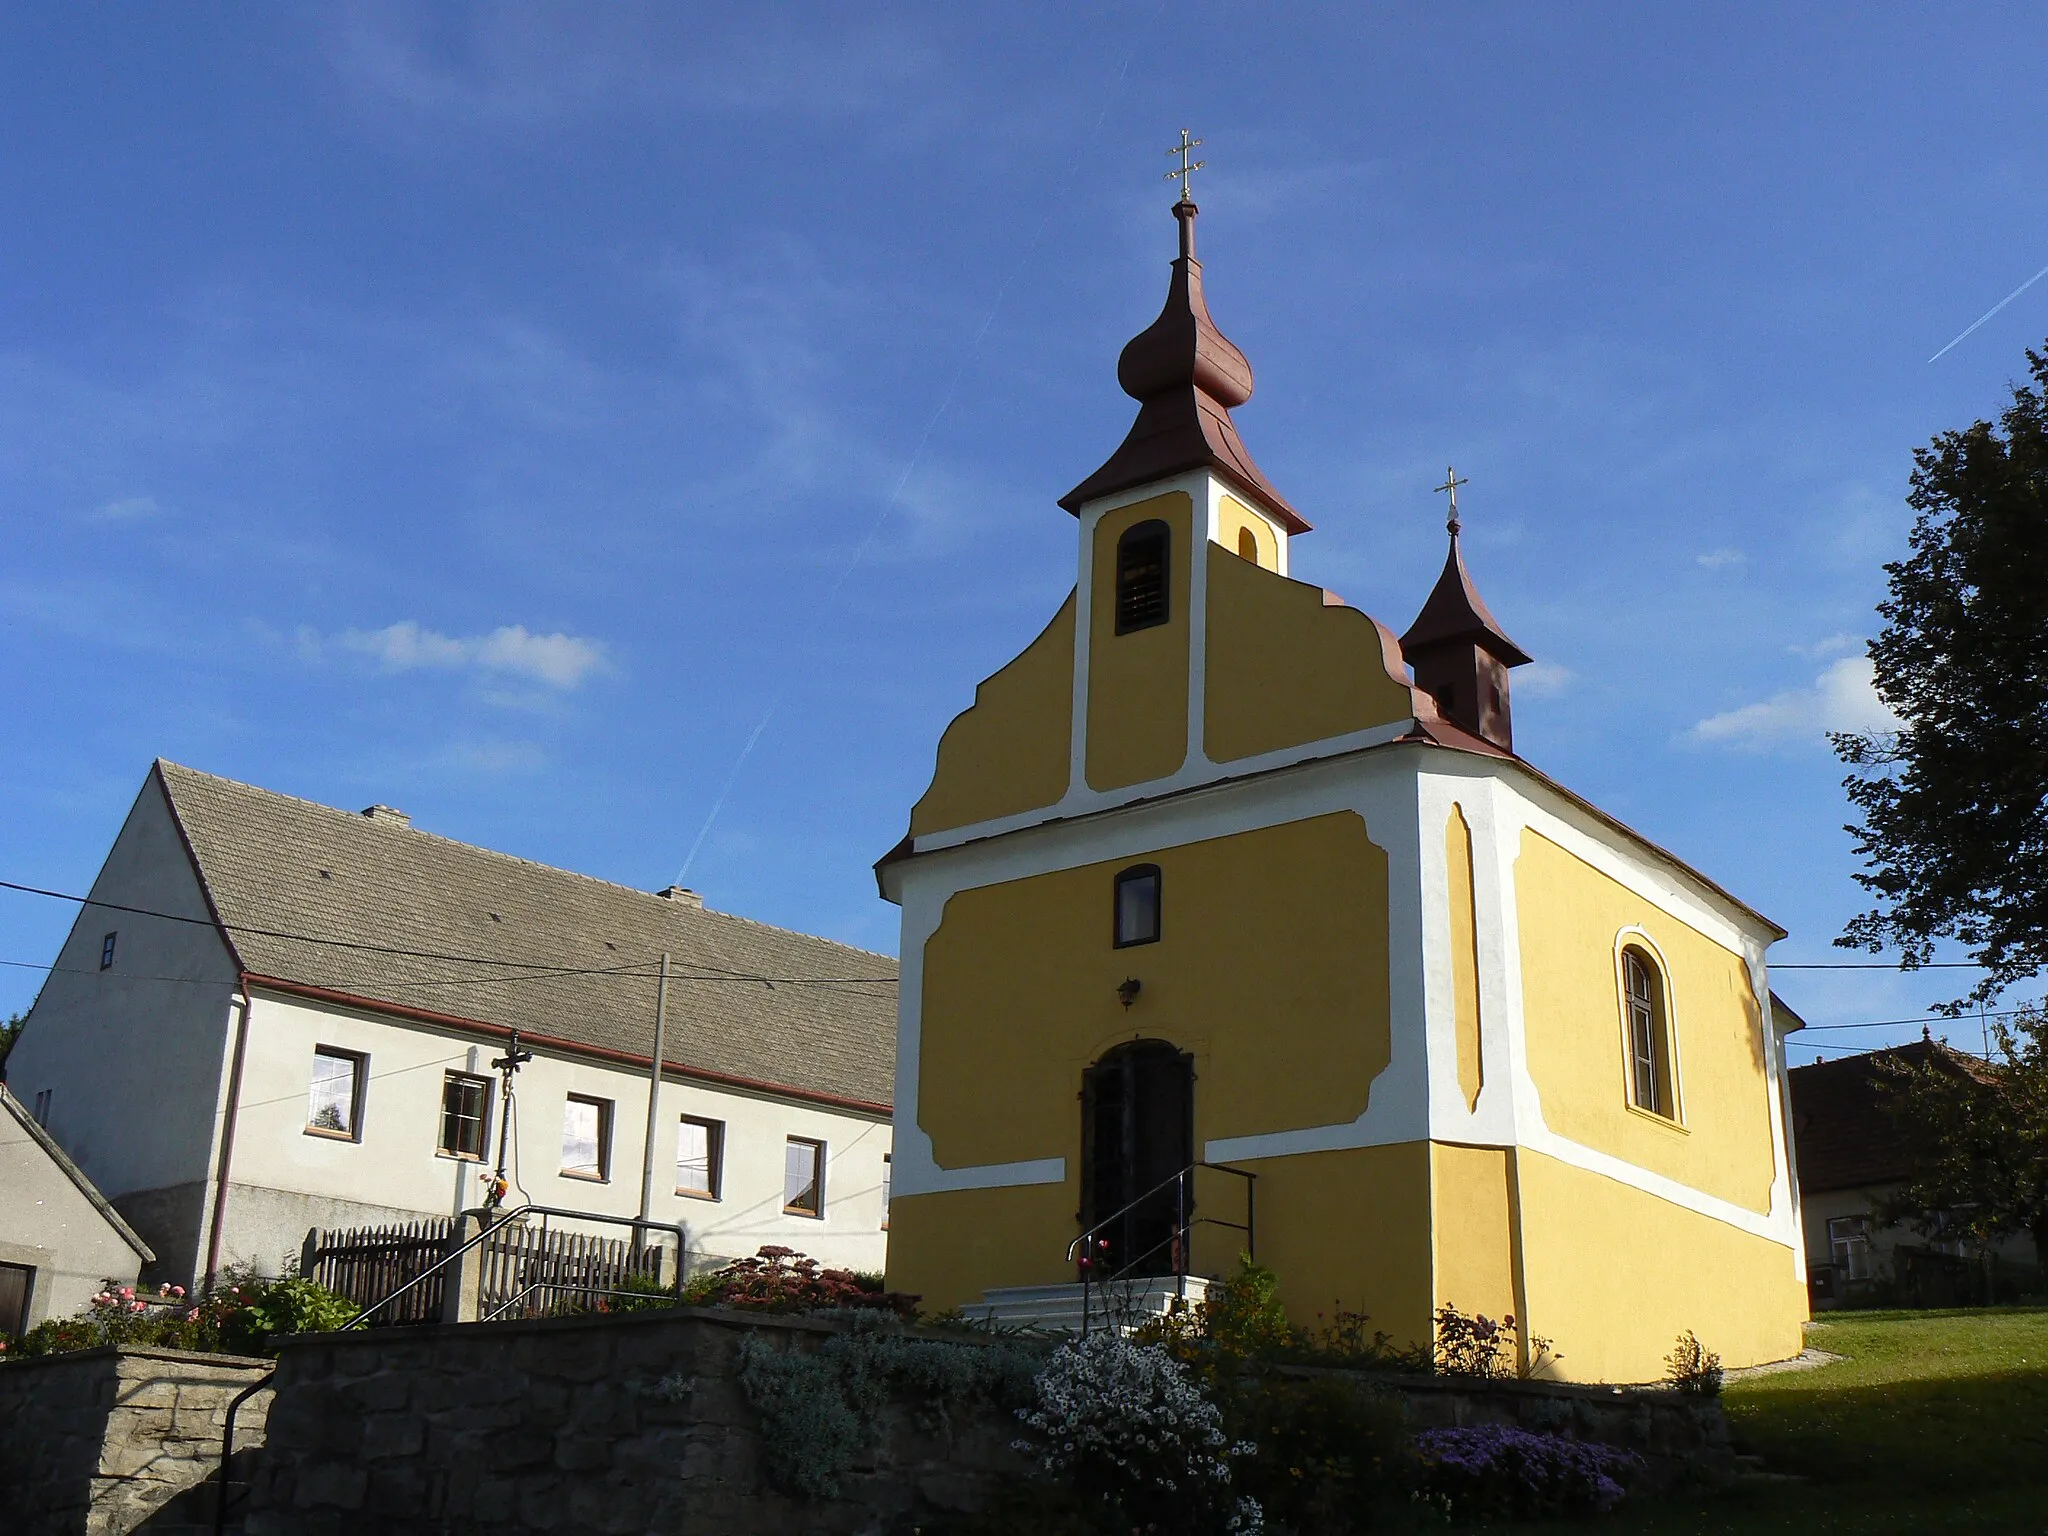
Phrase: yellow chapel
x=1232 y=922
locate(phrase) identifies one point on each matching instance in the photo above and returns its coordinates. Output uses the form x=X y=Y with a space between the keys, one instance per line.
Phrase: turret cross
x=1186 y=168
x=1451 y=484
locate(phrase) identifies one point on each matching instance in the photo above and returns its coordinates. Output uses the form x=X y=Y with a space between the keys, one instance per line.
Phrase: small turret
x=1458 y=650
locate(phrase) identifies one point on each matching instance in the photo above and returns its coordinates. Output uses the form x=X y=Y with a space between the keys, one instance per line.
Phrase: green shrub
x=1692 y=1367
x=1331 y=1453
x=243 y=1315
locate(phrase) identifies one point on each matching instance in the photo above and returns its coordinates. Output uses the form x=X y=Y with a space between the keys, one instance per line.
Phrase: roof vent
x=387 y=813
x=680 y=894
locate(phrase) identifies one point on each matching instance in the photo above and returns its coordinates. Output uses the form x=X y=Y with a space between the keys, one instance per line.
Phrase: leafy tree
x=10 y=1031
x=1979 y=1134
x=1954 y=834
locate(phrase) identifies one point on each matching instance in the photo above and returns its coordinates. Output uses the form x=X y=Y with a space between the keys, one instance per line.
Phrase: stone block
x=384 y=1392
x=331 y=1485
x=581 y=1452
x=386 y=1435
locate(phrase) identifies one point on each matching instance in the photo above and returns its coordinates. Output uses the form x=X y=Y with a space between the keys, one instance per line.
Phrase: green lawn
x=1933 y=1421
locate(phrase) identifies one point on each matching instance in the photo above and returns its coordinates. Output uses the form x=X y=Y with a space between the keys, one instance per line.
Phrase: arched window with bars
x=1647 y=1012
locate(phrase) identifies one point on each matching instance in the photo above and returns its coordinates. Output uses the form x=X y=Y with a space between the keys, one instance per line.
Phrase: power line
x=1875 y=965
x=531 y=970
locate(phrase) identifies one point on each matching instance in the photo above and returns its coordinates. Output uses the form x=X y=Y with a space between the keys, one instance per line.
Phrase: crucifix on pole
x=1187 y=167
x=1451 y=484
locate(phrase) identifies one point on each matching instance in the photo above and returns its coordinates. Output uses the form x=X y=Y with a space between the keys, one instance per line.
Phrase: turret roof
x=1185 y=375
x=1455 y=611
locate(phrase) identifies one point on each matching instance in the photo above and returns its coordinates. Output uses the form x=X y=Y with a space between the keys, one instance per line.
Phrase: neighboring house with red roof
x=1851 y=1156
x=273 y=1015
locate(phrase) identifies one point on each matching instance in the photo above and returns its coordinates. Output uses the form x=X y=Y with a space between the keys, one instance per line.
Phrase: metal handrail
x=1182 y=1231
x=227 y=1434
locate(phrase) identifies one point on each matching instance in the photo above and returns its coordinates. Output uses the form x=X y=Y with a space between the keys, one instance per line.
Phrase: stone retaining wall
x=99 y=1442
x=587 y=1425
x=632 y=1424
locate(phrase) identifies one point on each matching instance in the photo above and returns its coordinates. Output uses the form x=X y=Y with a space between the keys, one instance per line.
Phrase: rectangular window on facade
x=43 y=1097
x=803 y=1177
x=107 y=951
x=885 y=1191
x=334 y=1105
x=587 y=1137
x=1849 y=1246
x=700 y=1154
x=17 y=1286
x=465 y=1112
x=1137 y=906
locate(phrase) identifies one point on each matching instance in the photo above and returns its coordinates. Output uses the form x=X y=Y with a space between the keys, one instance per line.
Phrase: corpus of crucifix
x=1234 y=924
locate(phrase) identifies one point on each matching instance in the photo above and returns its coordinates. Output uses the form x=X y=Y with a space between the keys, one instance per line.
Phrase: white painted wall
x=284 y=1180
x=50 y=1225
x=134 y=1057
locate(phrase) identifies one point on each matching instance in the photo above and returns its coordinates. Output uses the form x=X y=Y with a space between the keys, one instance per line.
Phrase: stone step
x=1059 y=1308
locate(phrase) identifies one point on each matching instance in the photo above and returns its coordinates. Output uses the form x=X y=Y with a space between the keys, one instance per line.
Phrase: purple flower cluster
x=1494 y=1471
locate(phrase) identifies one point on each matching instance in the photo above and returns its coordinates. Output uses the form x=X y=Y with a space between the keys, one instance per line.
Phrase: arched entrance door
x=1137 y=1132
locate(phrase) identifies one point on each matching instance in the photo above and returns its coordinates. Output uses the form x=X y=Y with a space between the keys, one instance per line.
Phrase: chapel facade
x=1229 y=918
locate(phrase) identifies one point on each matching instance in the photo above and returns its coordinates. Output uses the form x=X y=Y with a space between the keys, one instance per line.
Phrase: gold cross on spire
x=1451 y=484
x=1186 y=168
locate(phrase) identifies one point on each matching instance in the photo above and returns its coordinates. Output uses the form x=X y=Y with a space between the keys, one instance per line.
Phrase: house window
x=586 y=1138
x=1649 y=1033
x=43 y=1097
x=334 y=1105
x=887 y=1169
x=700 y=1157
x=1137 y=905
x=1849 y=1246
x=465 y=1111
x=1141 y=565
x=107 y=951
x=17 y=1286
x=803 y=1177
x=1248 y=545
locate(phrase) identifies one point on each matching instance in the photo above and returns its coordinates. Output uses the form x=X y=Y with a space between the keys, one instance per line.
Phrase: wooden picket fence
x=367 y=1264
x=529 y=1269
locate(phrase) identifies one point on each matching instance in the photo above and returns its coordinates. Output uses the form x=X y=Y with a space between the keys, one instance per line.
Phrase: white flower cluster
x=1129 y=1420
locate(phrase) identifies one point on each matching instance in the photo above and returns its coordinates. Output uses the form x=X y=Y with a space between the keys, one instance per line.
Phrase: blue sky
x=496 y=411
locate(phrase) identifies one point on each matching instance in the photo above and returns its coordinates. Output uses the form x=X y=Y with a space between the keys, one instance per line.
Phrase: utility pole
x=654 y=1094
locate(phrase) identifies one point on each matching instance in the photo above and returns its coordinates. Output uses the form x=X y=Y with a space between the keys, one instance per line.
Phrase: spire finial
x=1186 y=168
x=1451 y=484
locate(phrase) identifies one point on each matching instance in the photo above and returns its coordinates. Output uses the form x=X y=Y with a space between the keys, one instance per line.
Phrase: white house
x=273 y=1015
x=60 y=1240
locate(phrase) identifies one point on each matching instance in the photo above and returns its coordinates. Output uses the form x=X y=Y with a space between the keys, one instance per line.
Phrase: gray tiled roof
x=272 y=862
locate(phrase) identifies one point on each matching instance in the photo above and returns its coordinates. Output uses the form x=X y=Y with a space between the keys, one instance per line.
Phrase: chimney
x=682 y=895
x=387 y=813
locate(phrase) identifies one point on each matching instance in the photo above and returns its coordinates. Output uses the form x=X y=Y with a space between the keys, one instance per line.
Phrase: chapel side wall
x=1571 y=919
x=1614 y=1275
x=135 y=1056
x=286 y=1180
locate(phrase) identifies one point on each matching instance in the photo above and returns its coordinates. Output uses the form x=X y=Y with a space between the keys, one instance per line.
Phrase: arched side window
x=1647 y=1011
x=1137 y=906
x=1248 y=545
x=1143 y=558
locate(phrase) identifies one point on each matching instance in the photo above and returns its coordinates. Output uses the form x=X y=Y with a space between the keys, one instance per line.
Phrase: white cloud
x=1838 y=644
x=129 y=509
x=1722 y=559
x=1843 y=698
x=559 y=660
x=1542 y=680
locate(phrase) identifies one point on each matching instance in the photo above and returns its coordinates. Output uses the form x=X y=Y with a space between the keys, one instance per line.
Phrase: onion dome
x=1185 y=375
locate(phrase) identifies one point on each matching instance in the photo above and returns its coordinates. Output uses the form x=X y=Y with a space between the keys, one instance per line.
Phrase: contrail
x=1994 y=309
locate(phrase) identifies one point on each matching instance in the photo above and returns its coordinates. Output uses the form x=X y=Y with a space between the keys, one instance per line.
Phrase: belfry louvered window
x=1142 y=561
